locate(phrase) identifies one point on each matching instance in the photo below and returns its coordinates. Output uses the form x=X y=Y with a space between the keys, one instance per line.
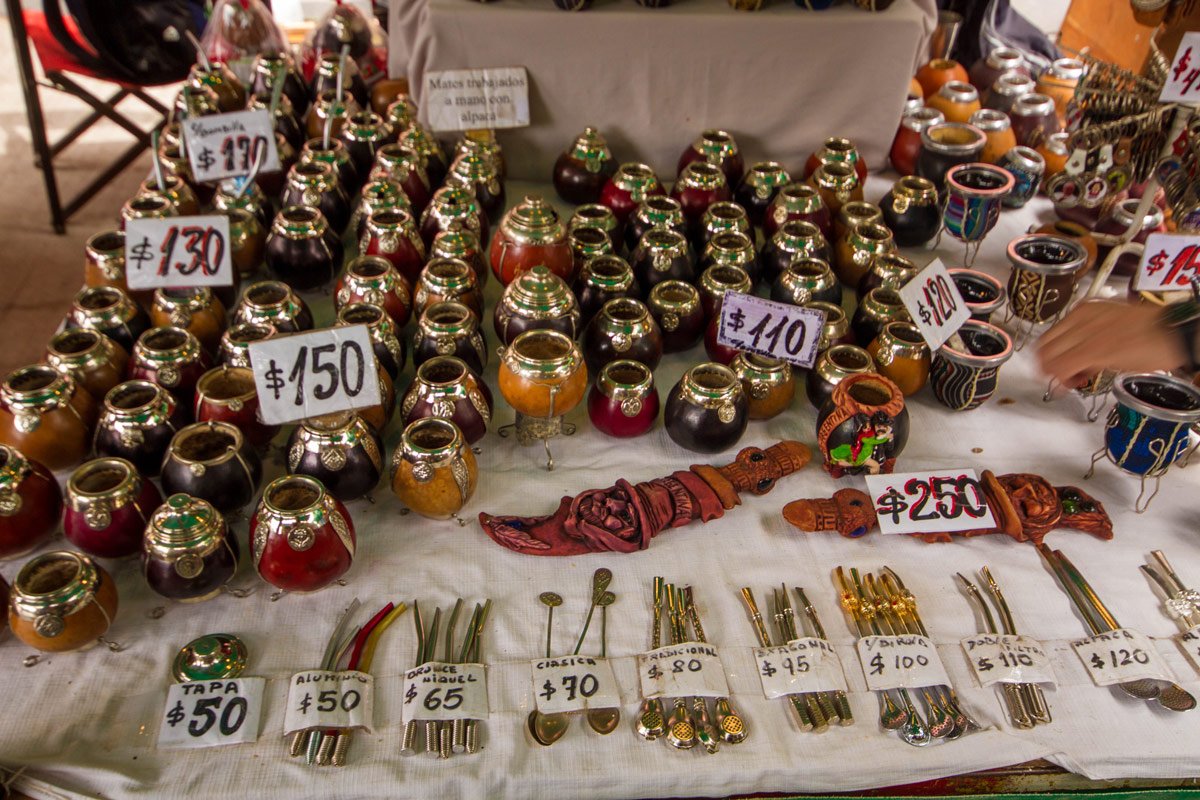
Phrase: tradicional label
x=178 y=252
x=441 y=691
x=922 y=502
x=776 y=330
x=1169 y=263
x=1006 y=658
x=1190 y=642
x=802 y=665
x=319 y=372
x=1121 y=656
x=682 y=670
x=321 y=698
x=900 y=662
x=225 y=145
x=935 y=304
x=212 y=713
x=1183 y=79
x=573 y=683
x=462 y=99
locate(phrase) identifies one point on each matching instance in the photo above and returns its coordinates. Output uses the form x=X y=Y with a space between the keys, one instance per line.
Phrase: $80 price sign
x=212 y=713
x=1120 y=656
x=775 y=330
x=935 y=304
x=1169 y=263
x=320 y=698
x=178 y=252
x=439 y=691
x=227 y=145
x=573 y=683
x=319 y=372
x=915 y=502
x=682 y=670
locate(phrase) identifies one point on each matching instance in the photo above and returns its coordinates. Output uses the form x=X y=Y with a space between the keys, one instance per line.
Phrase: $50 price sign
x=573 y=683
x=900 y=662
x=437 y=691
x=1007 y=658
x=178 y=251
x=319 y=372
x=935 y=304
x=212 y=713
x=319 y=698
x=803 y=665
x=1120 y=656
x=227 y=145
x=682 y=670
x=1168 y=264
x=916 y=502
x=775 y=330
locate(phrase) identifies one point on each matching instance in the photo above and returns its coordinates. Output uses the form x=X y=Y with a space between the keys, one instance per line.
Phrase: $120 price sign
x=776 y=330
x=178 y=251
x=211 y=713
x=320 y=698
x=320 y=372
x=227 y=145
x=915 y=502
x=935 y=304
x=900 y=662
x=573 y=683
x=438 y=691
x=1169 y=263
x=1121 y=656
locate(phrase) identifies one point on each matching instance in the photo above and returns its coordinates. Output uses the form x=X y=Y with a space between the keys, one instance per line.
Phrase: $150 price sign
x=211 y=713
x=178 y=251
x=900 y=662
x=318 y=372
x=1120 y=656
x=573 y=683
x=1007 y=658
x=1168 y=264
x=227 y=145
x=935 y=304
x=437 y=691
x=682 y=670
x=916 y=502
x=771 y=329
x=320 y=698
x=803 y=665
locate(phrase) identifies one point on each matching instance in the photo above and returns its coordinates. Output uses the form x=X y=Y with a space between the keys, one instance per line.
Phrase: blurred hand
x=1108 y=335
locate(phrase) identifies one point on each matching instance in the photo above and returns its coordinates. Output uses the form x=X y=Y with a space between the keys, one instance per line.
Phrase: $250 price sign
x=318 y=372
x=573 y=683
x=776 y=330
x=320 y=698
x=802 y=665
x=900 y=662
x=438 y=691
x=1168 y=263
x=211 y=713
x=178 y=251
x=1120 y=656
x=916 y=502
x=1007 y=658
x=227 y=145
x=682 y=670
x=935 y=304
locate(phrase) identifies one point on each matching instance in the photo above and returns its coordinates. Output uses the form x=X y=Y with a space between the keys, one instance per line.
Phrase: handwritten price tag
x=935 y=304
x=1183 y=79
x=917 y=502
x=320 y=698
x=1168 y=264
x=226 y=145
x=1004 y=658
x=1120 y=656
x=803 y=665
x=178 y=251
x=574 y=683
x=318 y=372
x=900 y=662
x=212 y=713
x=682 y=670
x=1190 y=642
x=440 y=691
x=776 y=330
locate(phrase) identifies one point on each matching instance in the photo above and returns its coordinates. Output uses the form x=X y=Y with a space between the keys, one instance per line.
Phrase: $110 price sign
x=802 y=665
x=226 y=145
x=178 y=251
x=916 y=502
x=935 y=304
x=211 y=713
x=1121 y=656
x=320 y=698
x=900 y=662
x=319 y=372
x=438 y=691
x=682 y=670
x=573 y=683
x=776 y=330
x=1007 y=658
x=1168 y=264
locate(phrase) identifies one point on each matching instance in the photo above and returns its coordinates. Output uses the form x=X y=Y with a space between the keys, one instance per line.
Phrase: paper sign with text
x=212 y=713
x=462 y=99
x=803 y=665
x=178 y=252
x=935 y=304
x=1169 y=263
x=682 y=670
x=768 y=328
x=1121 y=656
x=226 y=145
x=573 y=683
x=1183 y=79
x=929 y=502
x=1190 y=642
x=1006 y=658
x=318 y=372
x=320 y=698
x=440 y=691
x=900 y=662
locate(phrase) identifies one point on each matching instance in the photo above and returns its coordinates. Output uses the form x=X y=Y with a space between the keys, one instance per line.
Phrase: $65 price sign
x=178 y=251
x=573 y=683
x=775 y=330
x=320 y=698
x=439 y=691
x=914 y=502
x=935 y=304
x=212 y=713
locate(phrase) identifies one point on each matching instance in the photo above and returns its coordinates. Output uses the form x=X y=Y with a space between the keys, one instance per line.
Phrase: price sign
x=1005 y=658
x=225 y=145
x=918 y=502
x=1120 y=656
x=211 y=713
x=445 y=691
x=776 y=330
x=1183 y=79
x=319 y=372
x=935 y=304
x=682 y=670
x=1190 y=641
x=900 y=662
x=573 y=683
x=320 y=698
x=178 y=251
x=803 y=665
x=1169 y=263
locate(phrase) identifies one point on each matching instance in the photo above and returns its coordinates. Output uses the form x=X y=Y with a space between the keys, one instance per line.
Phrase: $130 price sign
x=227 y=145
x=440 y=691
x=573 y=683
x=318 y=372
x=178 y=251
x=900 y=662
x=803 y=665
x=1120 y=656
x=935 y=304
x=776 y=330
x=211 y=713
x=682 y=670
x=320 y=698
x=1007 y=658
x=916 y=502
x=1169 y=263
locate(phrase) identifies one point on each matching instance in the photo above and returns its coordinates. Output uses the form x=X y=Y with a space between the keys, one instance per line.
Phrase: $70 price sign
x=228 y=145
x=935 y=304
x=775 y=330
x=1169 y=263
x=573 y=683
x=439 y=691
x=211 y=713
x=915 y=502
x=178 y=252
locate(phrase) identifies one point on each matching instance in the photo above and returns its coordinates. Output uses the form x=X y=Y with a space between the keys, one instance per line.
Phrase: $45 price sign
x=319 y=372
x=935 y=304
x=320 y=698
x=212 y=713
x=1007 y=658
x=1169 y=263
x=1121 y=656
x=771 y=329
x=178 y=251
x=438 y=691
x=915 y=502
x=573 y=683
x=226 y=145
x=900 y=662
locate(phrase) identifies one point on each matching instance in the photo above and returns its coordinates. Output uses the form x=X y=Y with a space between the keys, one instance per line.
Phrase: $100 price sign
x=1121 y=656
x=437 y=691
x=320 y=698
x=211 y=713
x=682 y=670
x=1168 y=264
x=803 y=665
x=915 y=502
x=227 y=145
x=935 y=304
x=900 y=662
x=319 y=372
x=573 y=683
x=1007 y=658
x=178 y=251
x=771 y=329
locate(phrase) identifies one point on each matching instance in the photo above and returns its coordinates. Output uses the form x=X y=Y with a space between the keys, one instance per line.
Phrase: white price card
x=900 y=662
x=227 y=145
x=802 y=665
x=212 y=713
x=319 y=372
x=682 y=670
x=1007 y=658
x=321 y=698
x=929 y=502
x=1121 y=656
x=1190 y=642
x=935 y=304
x=1169 y=263
x=438 y=691
x=776 y=330
x=573 y=683
x=178 y=252
x=1183 y=79
x=462 y=99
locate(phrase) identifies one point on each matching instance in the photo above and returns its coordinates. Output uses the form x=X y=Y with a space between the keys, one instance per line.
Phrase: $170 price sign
x=935 y=304
x=211 y=713
x=573 y=683
x=438 y=691
x=775 y=330
x=227 y=145
x=178 y=252
x=320 y=698
x=319 y=372
x=915 y=502
x=1169 y=263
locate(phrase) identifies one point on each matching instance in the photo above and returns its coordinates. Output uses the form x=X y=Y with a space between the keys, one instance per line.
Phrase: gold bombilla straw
x=1032 y=695
x=1012 y=695
x=891 y=716
x=841 y=703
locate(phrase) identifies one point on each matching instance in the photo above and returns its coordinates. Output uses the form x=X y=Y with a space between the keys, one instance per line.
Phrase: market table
x=85 y=725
